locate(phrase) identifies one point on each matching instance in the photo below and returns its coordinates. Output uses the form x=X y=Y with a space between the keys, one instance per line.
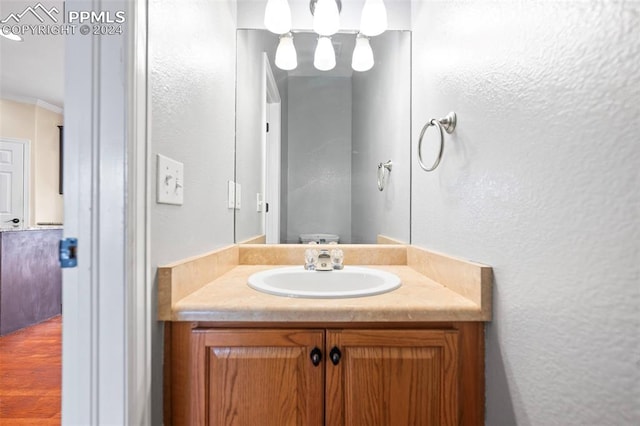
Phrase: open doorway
x=106 y=300
x=31 y=211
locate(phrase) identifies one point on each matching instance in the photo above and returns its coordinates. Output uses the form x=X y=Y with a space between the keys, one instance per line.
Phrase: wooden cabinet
x=388 y=377
x=241 y=376
x=263 y=377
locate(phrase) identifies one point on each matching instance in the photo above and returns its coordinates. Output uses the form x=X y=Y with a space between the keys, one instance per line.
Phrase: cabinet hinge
x=68 y=253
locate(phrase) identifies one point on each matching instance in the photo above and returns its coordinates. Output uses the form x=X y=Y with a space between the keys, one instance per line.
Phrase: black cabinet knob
x=316 y=356
x=335 y=355
x=14 y=220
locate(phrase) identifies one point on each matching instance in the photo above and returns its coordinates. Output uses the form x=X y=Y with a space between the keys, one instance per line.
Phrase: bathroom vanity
x=413 y=356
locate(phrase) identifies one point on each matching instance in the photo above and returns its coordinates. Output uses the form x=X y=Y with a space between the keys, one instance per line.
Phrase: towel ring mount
x=446 y=124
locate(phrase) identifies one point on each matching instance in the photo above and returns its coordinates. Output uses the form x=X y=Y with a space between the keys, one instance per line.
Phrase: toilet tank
x=319 y=238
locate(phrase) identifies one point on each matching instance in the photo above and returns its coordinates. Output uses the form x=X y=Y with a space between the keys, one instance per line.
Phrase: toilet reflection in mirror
x=312 y=170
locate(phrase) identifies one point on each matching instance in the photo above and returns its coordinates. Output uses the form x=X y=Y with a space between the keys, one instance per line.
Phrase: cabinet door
x=392 y=377
x=258 y=377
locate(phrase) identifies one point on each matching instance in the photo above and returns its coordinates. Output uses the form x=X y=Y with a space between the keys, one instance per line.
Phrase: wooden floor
x=31 y=374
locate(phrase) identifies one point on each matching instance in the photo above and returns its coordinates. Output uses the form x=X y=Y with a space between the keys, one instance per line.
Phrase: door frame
x=106 y=337
x=26 y=178
x=271 y=156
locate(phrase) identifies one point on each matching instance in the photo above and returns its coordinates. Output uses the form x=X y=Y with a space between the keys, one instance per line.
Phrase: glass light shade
x=277 y=16
x=324 y=58
x=374 y=18
x=362 y=59
x=286 y=56
x=326 y=17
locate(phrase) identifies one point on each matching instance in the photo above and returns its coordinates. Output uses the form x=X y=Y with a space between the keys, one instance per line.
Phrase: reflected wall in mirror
x=316 y=168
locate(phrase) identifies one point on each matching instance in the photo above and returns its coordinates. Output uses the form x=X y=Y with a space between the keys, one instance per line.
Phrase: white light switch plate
x=234 y=194
x=170 y=182
x=238 y=196
x=231 y=194
x=259 y=202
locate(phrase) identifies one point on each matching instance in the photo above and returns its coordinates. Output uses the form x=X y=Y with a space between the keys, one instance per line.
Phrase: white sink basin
x=352 y=281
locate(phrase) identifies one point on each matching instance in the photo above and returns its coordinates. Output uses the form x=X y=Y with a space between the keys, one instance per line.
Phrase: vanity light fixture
x=277 y=16
x=326 y=16
x=374 y=18
x=324 y=58
x=326 y=22
x=11 y=36
x=286 y=56
x=362 y=59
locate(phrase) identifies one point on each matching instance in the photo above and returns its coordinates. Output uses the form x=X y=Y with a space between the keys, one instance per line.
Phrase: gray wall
x=191 y=88
x=319 y=147
x=540 y=180
x=381 y=132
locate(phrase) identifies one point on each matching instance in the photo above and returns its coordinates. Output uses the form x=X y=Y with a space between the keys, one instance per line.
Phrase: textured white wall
x=540 y=181
x=381 y=131
x=192 y=89
x=319 y=172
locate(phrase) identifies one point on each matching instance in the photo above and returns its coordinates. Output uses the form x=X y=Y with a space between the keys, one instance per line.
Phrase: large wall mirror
x=313 y=169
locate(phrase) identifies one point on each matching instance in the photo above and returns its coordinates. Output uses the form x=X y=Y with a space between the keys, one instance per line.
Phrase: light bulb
x=277 y=16
x=374 y=18
x=362 y=59
x=286 y=56
x=326 y=17
x=324 y=58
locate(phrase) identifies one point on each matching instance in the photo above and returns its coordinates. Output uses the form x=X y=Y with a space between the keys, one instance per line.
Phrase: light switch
x=231 y=197
x=234 y=195
x=170 y=182
x=258 y=202
x=238 y=196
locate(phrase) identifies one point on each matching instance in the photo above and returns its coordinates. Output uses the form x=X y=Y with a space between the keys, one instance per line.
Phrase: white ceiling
x=32 y=69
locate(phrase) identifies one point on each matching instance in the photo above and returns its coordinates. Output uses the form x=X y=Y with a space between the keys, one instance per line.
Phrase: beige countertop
x=213 y=288
x=419 y=299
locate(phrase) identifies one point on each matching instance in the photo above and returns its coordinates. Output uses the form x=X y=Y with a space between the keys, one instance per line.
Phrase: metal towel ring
x=446 y=124
x=383 y=170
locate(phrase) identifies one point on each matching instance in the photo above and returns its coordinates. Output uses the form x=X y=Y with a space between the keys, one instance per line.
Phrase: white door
x=272 y=187
x=14 y=182
x=271 y=156
x=107 y=307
